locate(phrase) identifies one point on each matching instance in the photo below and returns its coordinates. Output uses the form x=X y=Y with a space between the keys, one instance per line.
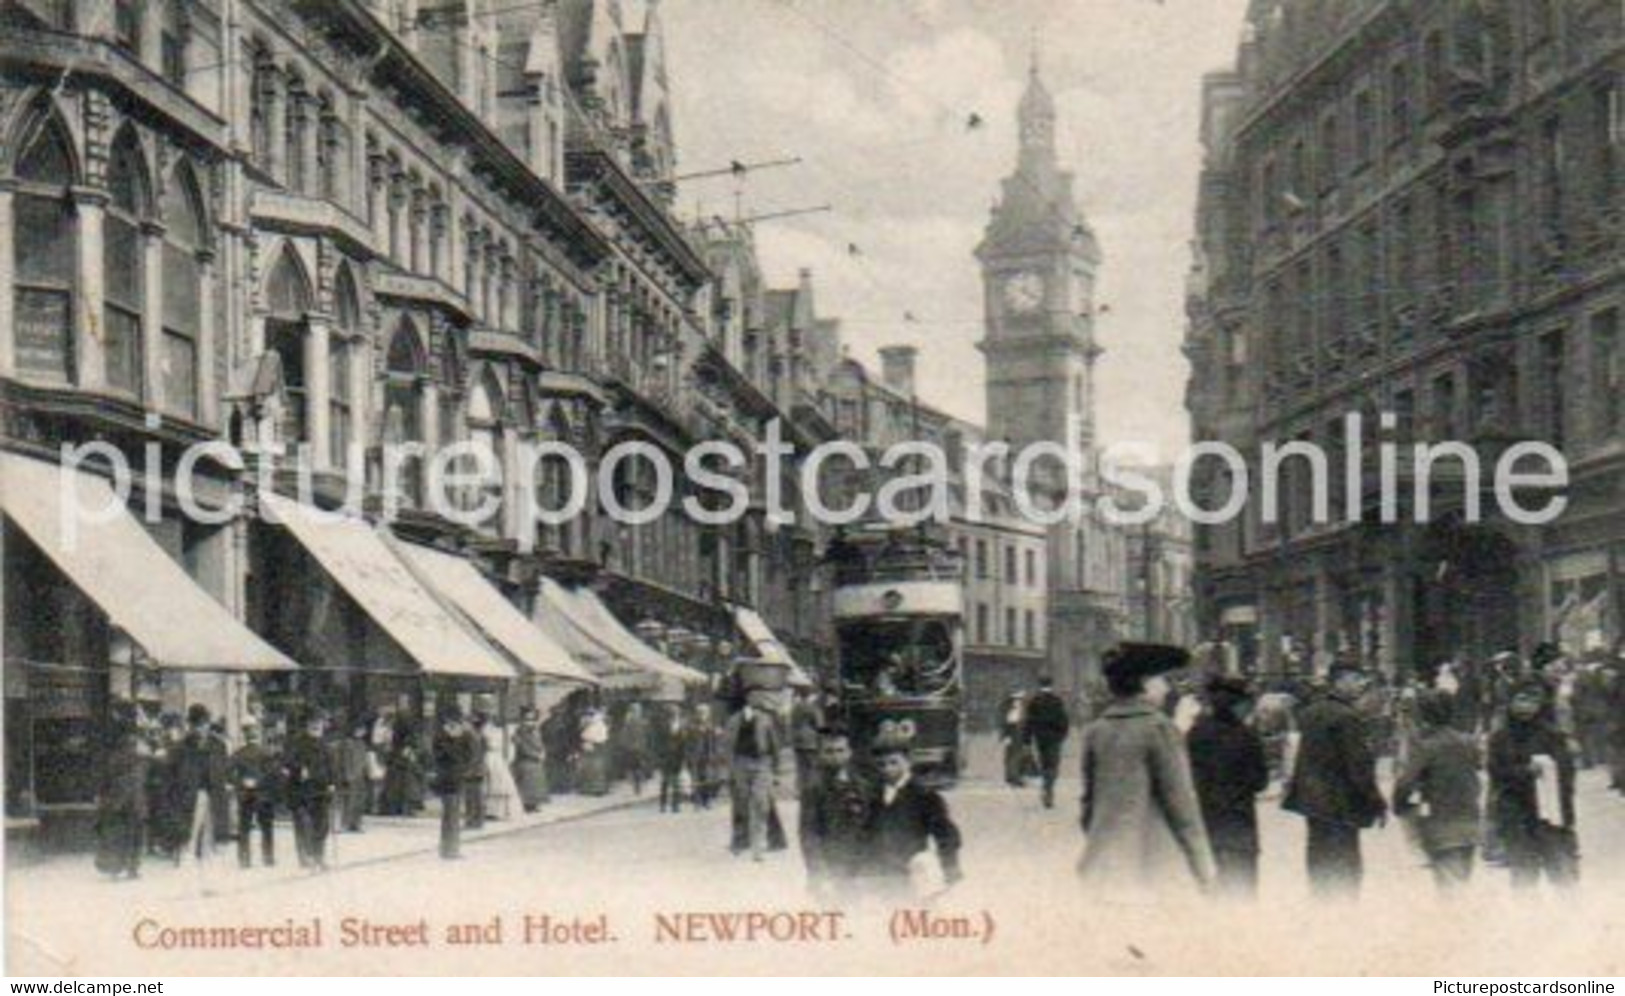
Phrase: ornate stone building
x=1413 y=209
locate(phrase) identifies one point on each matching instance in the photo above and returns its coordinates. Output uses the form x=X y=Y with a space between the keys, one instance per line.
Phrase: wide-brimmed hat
x=1143 y=660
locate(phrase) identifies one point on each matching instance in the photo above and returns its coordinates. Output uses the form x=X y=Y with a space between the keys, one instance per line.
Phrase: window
x=1336 y=304
x=1330 y=152
x=1269 y=192
x=1553 y=383
x=1405 y=415
x=1607 y=135
x=981 y=558
x=340 y=347
x=1551 y=172
x=1433 y=70
x=1011 y=637
x=43 y=244
x=184 y=242
x=1032 y=629
x=404 y=377
x=173 y=57
x=127 y=25
x=1399 y=101
x=289 y=297
x=1608 y=366
x=981 y=623
x=1032 y=569
x=330 y=151
x=1444 y=408
x=123 y=272
x=1010 y=576
x=296 y=125
x=262 y=101
x=485 y=408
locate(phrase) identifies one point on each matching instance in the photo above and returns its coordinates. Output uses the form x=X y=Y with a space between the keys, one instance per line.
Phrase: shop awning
x=768 y=647
x=363 y=564
x=460 y=583
x=80 y=523
x=589 y=617
x=553 y=616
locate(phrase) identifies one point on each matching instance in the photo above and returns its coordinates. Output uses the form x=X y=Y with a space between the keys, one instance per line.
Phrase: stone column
x=8 y=278
x=208 y=385
x=89 y=362
x=509 y=516
x=361 y=398
x=152 y=318
x=317 y=389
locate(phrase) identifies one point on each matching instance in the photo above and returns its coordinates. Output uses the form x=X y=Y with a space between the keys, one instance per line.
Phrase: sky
x=875 y=97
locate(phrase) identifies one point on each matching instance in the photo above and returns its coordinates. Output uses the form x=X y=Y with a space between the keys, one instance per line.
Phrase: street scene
x=790 y=487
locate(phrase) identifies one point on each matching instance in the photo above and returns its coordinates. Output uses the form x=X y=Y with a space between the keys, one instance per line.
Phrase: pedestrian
x=200 y=778
x=167 y=813
x=474 y=772
x=1012 y=741
x=753 y=741
x=671 y=748
x=351 y=763
x=309 y=779
x=632 y=746
x=121 y=804
x=1044 y=729
x=378 y=747
x=403 y=771
x=451 y=766
x=705 y=756
x=1334 y=783
x=1616 y=724
x=1441 y=770
x=1532 y=772
x=1141 y=819
x=805 y=722
x=1229 y=768
x=219 y=802
x=835 y=818
x=501 y=791
x=907 y=820
x=253 y=773
x=592 y=763
x=530 y=760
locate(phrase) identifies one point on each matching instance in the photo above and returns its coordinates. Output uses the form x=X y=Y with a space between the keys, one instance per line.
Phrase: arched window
x=289 y=297
x=43 y=246
x=405 y=373
x=296 y=123
x=262 y=108
x=340 y=355
x=485 y=409
x=123 y=271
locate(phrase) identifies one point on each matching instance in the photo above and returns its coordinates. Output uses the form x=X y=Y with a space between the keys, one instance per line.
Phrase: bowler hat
x=1143 y=660
x=1224 y=686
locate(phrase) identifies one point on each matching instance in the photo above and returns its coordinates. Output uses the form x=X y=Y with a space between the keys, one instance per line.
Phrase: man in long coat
x=1045 y=726
x=1230 y=768
x=1140 y=814
x=1334 y=783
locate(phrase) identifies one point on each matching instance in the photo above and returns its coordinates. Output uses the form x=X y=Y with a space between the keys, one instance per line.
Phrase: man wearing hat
x=1531 y=771
x=200 y=775
x=307 y=767
x=1334 y=783
x=253 y=771
x=451 y=763
x=1230 y=768
x=1140 y=812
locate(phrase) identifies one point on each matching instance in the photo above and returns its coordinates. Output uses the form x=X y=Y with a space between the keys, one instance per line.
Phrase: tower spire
x=1036 y=115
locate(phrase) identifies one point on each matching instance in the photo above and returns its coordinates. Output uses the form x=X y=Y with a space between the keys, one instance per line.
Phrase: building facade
x=1412 y=212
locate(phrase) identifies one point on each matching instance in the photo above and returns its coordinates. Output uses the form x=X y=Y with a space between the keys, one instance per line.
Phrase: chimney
x=897 y=368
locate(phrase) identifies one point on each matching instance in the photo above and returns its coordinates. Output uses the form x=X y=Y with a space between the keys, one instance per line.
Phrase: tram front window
x=898 y=657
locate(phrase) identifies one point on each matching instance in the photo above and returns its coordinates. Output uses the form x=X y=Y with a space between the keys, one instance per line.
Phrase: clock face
x=1024 y=292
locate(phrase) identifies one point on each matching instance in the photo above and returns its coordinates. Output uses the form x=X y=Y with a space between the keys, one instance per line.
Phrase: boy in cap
x=1532 y=777
x=908 y=818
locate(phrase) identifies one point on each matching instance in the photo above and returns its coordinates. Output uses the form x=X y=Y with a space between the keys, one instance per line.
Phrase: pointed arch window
x=44 y=235
x=185 y=245
x=485 y=406
x=341 y=347
x=123 y=264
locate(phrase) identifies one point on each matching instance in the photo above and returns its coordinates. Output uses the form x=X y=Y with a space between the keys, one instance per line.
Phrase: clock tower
x=1039 y=258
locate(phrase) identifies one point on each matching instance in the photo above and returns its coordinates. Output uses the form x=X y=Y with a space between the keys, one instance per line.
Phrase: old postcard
x=1108 y=487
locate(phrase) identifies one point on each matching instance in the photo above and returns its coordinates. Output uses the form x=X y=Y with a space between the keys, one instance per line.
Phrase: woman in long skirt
x=403 y=780
x=530 y=760
x=593 y=773
x=121 y=809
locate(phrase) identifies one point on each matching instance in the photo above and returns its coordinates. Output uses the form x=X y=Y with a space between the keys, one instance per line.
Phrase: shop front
x=99 y=619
